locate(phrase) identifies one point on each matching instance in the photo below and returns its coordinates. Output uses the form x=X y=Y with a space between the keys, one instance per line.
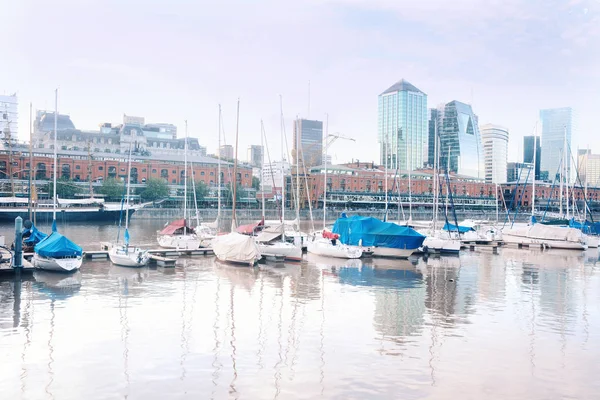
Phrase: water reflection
x=324 y=328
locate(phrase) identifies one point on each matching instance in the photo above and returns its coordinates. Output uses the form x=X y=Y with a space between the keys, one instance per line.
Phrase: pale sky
x=174 y=60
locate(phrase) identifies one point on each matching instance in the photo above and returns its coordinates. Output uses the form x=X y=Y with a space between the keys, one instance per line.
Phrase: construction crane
x=329 y=140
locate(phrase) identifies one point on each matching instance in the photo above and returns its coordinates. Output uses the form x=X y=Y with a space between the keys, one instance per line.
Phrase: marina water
x=521 y=324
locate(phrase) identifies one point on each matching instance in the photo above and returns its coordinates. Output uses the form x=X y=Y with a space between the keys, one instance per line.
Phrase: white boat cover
x=269 y=234
x=236 y=247
x=18 y=200
x=85 y=202
x=548 y=232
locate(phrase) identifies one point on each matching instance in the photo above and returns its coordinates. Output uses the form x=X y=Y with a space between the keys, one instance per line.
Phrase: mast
x=185 y=179
x=448 y=174
x=89 y=149
x=585 y=190
x=534 y=163
x=10 y=156
x=436 y=165
x=262 y=164
x=298 y=127
x=385 y=172
x=282 y=170
x=325 y=185
x=55 y=156
x=566 y=166
x=409 y=168
x=127 y=198
x=31 y=161
x=194 y=191
x=234 y=183
x=219 y=183
x=560 y=172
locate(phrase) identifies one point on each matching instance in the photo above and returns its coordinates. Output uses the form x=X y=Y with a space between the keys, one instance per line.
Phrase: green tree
x=201 y=190
x=65 y=188
x=155 y=189
x=112 y=188
x=255 y=183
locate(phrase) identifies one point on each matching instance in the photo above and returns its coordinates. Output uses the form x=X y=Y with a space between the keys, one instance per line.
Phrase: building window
x=202 y=173
x=143 y=169
x=153 y=171
x=174 y=171
x=174 y=181
x=77 y=177
x=78 y=167
x=164 y=173
x=63 y=147
x=212 y=173
x=100 y=168
x=112 y=172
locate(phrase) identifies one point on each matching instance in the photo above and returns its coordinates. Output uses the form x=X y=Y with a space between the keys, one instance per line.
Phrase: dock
x=6 y=269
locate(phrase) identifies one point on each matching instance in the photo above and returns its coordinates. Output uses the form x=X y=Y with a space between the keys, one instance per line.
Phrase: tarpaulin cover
x=174 y=226
x=269 y=234
x=236 y=247
x=452 y=228
x=35 y=235
x=373 y=232
x=587 y=227
x=250 y=229
x=56 y=245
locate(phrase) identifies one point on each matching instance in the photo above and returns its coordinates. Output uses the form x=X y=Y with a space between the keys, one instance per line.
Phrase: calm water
x=518 y=325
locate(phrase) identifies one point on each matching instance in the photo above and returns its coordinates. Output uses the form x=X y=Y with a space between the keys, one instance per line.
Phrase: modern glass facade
x=460 y=139
x=433 y=120
x=528 y=143
x=402 y=127
x=556 y=125
x=310 y=140
x=495 y=152
x=9 y=116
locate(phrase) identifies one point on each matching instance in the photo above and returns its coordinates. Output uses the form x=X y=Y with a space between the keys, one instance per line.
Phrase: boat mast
x=219 y=172
x=325 y=184
x=194 y=191
x=436 y=163
x=89 y=149
x=55 y=156
x=234 y=183
x=262 y=163
x=282 y=169
x=534 y=163
x=30 y=160
x=585 y=190
x=127 y=196
x=567 y=165
x=298 y=127
x=409 y=168
x=185 y=179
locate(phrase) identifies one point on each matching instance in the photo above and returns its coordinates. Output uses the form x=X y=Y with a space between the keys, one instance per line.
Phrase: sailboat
x=271 y=240
x=235 y=247
x=56 y=252
x=126 y=255
x=178 y=235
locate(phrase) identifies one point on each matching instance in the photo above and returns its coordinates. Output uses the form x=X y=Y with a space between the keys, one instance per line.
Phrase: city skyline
x=507 y=73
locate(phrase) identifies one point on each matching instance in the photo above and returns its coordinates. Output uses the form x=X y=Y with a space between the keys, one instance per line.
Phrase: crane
x=330 y=138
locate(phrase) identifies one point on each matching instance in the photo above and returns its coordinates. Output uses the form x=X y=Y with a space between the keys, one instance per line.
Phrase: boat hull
x=179 y=242
x=553 y=244
x=288 y=250
x=56 y=264
x=323 y=247
x=441 y=246
x=134 y=257
x=389 y=252
x=72 y=215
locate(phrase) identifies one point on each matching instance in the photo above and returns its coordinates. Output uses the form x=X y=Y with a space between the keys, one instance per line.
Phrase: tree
x=65 y=188
x=240 y=193
x=201 y=190
x=112 y=188
x=155 y=189
x=255 y=183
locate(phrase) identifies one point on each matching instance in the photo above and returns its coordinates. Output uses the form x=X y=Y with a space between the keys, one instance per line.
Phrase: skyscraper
x=460 y=140
x=309 y=135
x=495 y=152
x=433 y=120
x=255 y=155
x=402 y=126
x=226 y=152
x=556 y=129
x=528 y=153
x=9 y=116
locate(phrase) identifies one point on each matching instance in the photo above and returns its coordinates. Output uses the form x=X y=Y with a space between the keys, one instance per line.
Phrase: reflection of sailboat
x=58 y=286
x=328 y=262
x=552 y=258
x=244 y=277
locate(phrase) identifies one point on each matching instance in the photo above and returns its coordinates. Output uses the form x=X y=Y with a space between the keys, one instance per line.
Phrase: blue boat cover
x=35 y=235
x=57 y=245
x=374 y=232
x=452 y=228
x=587 y=227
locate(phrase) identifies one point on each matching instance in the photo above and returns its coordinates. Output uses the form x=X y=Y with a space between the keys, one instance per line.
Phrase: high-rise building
x=402 y=127
x=528 y=144
x=309 y=135
x=495 y=152
x=433 y=120
x=272 y=176
x=9 y=116
x=226 y=152
x=255 y=155
x=588 y=166
x=557 y=125
x=460 y=140
x=520 y=172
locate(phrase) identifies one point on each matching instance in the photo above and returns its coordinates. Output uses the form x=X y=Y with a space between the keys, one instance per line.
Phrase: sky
x=178 y=60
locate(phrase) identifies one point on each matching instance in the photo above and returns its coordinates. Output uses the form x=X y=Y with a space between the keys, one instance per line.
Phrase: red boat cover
x=330 y=235
x=250 y=228
x=174 y=227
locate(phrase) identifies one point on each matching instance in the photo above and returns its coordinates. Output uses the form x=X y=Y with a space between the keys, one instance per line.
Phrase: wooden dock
x=7 y=270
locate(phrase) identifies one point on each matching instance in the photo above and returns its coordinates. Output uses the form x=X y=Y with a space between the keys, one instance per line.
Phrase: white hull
x=179 y=242
x=290 y=251
x=389 y=252
x=56 y=264
x=133 y=257
x=554 y=237
x=323 y=247
x=592 y=241
x=439 y=245
x=553 y=244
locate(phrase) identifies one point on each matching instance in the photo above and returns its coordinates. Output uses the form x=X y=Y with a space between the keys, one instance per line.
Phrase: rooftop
x=402 y=86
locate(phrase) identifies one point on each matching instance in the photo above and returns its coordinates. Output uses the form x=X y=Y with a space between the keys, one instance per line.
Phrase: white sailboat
x=271 y=241
x=125 y=255
x=235 y=247
x=56 y=252
x=178 y=235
